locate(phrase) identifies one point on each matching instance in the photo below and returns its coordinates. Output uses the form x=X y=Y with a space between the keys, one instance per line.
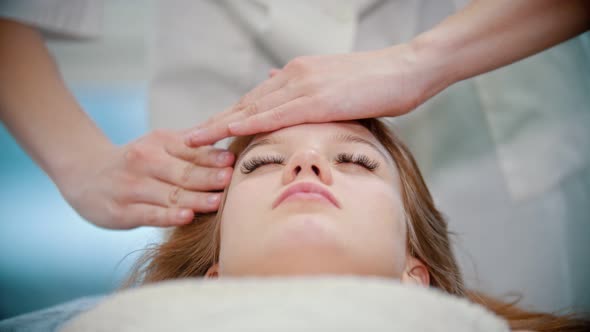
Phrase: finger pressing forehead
x=206 y=156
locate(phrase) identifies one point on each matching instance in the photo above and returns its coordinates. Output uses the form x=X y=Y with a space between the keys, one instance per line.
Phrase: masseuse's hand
x=156 y=181
x=325 y=88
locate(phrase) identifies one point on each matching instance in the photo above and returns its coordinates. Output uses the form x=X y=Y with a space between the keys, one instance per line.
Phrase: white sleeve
x=66 y=18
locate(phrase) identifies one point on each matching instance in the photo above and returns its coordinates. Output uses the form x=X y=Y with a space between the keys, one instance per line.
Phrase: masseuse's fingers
x=279 y=117
x=154 y=192
x=157 y=158
x=152 y=215
x=326 y=88
x=155 y=180
x=188 y=175
x=270 y=85
x=244 y=104
x=221 y=127
x=216 y=128
x=207 y=156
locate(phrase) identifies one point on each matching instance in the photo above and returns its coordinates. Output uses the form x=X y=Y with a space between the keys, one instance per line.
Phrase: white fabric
x=202 y=71
x=536 y=247
x=506 y=142
x=73 y=18
x=329 y=26
x=505 y=154
x=540 y=125
x=305 y=304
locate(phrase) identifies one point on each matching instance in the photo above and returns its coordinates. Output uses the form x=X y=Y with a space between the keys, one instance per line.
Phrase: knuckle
x=133 y=194
x=128 y=179
x=251 y=110
x=174 y=196
x=185 y=173
x=131 y=190
x=135 y=153
x=160 y=134
x=277 y=115
x=241 y=104
x=200 y=179
x=115 y=211
x=209 y=153
x=299 y=63
x=151 y=216
x=203 y=155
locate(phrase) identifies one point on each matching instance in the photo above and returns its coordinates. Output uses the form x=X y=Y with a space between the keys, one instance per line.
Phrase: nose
x=307 y=164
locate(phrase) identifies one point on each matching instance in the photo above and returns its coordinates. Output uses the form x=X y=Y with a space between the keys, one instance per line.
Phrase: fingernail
x=213 y=199
x=223 y=157
x=221 y=175
x=185 y=214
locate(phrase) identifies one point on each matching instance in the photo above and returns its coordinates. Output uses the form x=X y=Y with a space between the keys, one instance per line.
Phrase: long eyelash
x=250 y=165
x=359 y=159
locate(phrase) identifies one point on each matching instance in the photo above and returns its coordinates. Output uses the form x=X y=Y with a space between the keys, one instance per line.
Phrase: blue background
x=49 y=254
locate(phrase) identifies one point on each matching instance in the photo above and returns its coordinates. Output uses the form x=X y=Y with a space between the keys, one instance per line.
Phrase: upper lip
x=306 y=187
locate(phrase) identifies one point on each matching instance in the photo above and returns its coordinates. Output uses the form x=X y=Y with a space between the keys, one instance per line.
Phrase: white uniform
x=506 y=154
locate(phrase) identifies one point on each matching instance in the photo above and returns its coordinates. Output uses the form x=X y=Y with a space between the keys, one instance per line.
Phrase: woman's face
x=314 y=199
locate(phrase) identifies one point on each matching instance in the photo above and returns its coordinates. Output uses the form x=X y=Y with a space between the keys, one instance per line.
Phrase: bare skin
x=113 y=187
x=156 y=180
x=483 y=36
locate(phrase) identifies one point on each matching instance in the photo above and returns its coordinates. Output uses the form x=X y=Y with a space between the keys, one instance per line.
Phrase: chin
x=306 y=239
x=297 y=231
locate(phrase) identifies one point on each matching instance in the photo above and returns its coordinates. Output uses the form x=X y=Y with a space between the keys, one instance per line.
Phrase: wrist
x=75 y=165
x=432 y=64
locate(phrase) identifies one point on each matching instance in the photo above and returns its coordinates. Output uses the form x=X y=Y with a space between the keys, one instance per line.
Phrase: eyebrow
x=265 y=141
x=338 y=138
x=349 y=138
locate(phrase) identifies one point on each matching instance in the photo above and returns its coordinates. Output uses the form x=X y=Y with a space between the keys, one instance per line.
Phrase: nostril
x=315 y=169
x=297 y=170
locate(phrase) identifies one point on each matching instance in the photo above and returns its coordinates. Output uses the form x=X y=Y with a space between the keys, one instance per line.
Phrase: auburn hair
x=190 y=250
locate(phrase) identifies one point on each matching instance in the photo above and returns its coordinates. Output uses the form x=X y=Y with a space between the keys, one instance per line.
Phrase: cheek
x=378 y=202
x=241 y=208
x=246 y=206
x=378 y=222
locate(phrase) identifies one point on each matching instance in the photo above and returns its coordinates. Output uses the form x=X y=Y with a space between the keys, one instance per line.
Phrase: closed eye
x=362 y=160
x=253 y=163
x=357 y=159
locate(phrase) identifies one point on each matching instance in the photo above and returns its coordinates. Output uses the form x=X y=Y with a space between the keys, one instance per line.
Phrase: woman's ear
x=213 y=271
x=415 y=272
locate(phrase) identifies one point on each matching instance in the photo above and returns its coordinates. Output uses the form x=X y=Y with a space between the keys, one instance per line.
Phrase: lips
x=306 y=188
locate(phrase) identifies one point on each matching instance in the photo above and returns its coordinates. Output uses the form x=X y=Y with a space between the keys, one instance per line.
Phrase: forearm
x=488 y=34
x=38 y=109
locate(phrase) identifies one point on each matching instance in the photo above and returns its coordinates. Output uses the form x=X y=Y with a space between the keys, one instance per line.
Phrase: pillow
x=285 y=304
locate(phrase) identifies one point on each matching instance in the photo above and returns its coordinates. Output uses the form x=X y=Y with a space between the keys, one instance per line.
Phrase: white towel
x=286 y=304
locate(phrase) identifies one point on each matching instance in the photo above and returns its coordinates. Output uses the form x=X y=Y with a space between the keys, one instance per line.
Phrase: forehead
x=317 y=131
